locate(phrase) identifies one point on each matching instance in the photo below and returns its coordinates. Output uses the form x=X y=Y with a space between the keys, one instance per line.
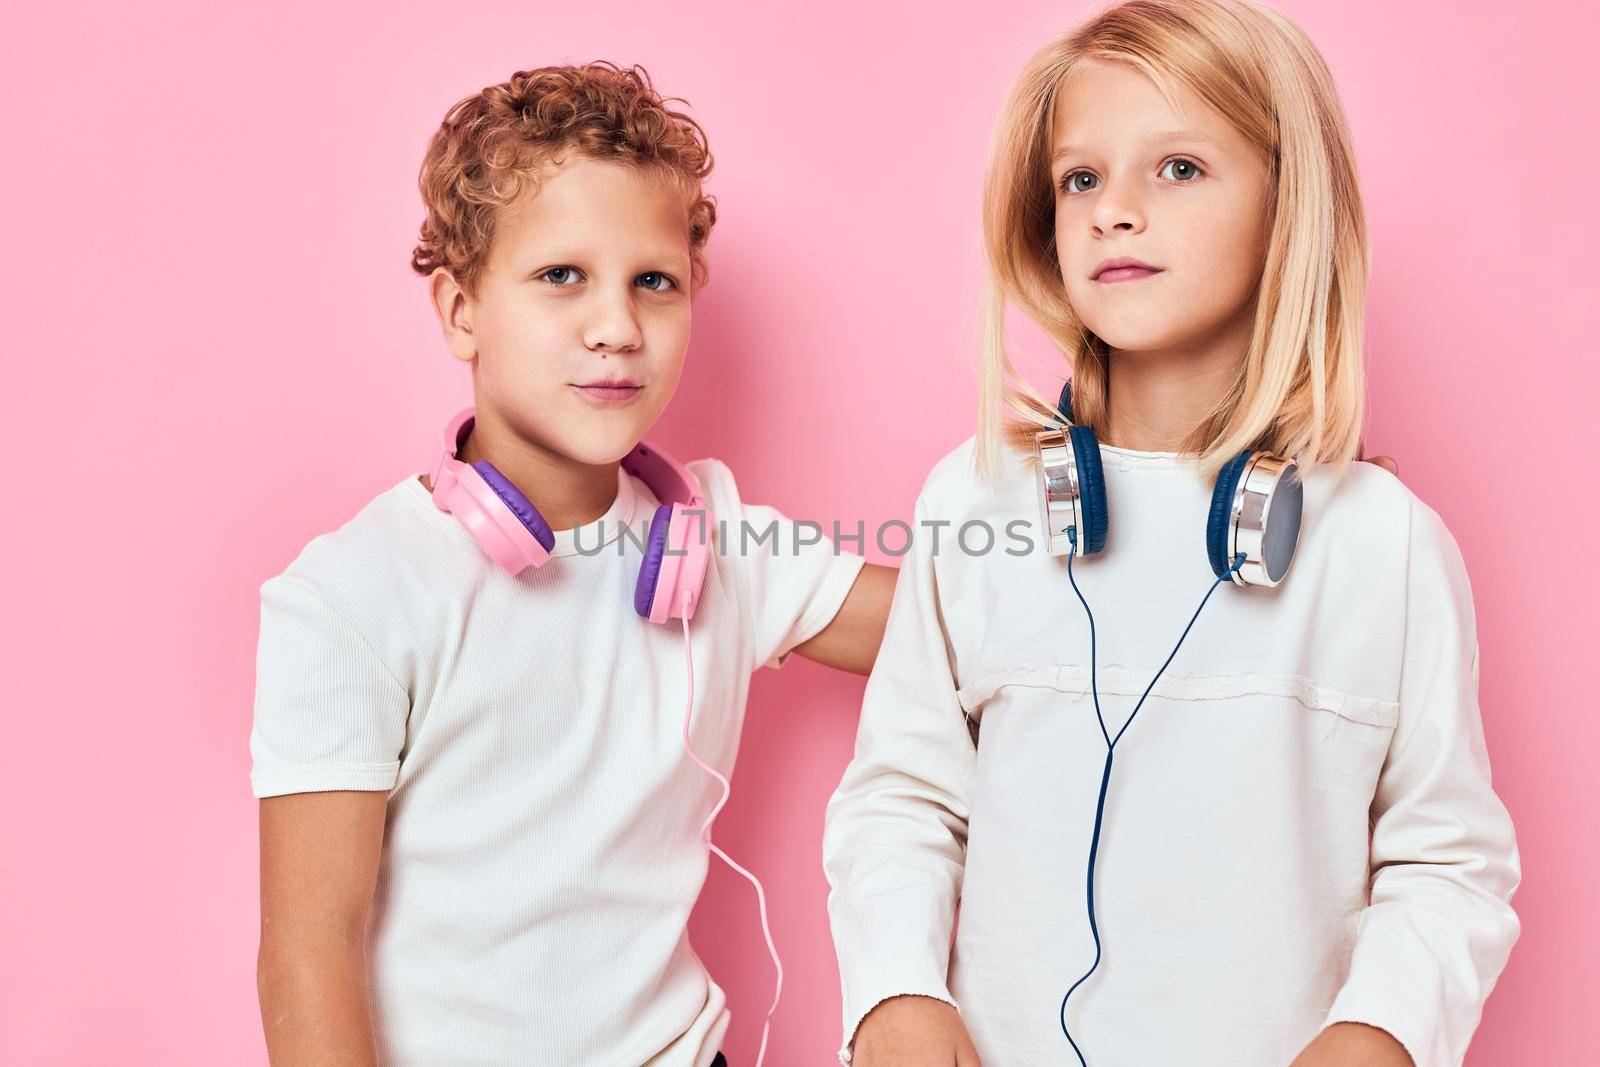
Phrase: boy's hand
x=1386 y=462
x=913 y=1031
x=1353 y=1045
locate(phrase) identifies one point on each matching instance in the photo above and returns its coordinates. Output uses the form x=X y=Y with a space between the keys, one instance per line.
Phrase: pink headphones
x=511 y=530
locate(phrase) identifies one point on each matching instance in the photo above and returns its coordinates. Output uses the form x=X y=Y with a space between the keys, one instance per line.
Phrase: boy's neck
x=567 y=493
x=1157 y=397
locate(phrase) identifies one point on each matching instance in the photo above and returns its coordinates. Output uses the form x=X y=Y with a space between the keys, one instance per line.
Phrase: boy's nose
x=613 y=327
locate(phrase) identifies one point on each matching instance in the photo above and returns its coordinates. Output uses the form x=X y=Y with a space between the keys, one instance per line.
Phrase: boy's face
x=581 y=321
x=1185 y=194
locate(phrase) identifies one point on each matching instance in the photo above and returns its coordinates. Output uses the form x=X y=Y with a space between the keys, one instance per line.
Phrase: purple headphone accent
x=644 y=593
x=520 y=506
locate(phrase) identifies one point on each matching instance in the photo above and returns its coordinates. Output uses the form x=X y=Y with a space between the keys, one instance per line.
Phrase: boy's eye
x=562 y=276
x=1183 y=170
x=1079 y=181
x=655 y=281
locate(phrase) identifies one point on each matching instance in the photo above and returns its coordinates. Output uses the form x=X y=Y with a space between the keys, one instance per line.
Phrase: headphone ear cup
x=1220 y=521
x=644 y=591
x=516 y=503
x=1091 y=488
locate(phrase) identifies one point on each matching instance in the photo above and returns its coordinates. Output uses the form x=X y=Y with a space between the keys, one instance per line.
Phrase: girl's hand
x=1353 y=1045
x=913 y=1031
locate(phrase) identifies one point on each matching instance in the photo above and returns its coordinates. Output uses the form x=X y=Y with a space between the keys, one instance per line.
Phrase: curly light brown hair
x=492 y=147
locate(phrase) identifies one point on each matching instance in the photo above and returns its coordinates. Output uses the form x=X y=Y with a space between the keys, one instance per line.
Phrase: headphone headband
x=454 y=431
x=668 y=479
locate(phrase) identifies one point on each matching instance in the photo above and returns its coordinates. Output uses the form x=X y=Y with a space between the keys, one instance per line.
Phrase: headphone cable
x=1111 y=745
x=705 y=832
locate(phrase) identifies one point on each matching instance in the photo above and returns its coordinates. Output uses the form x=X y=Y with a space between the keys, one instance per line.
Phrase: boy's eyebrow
x=1194 y=136
x=553 y=253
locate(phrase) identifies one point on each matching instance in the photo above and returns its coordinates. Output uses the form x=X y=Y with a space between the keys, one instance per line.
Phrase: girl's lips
x=609 y=395
x=1126 y=274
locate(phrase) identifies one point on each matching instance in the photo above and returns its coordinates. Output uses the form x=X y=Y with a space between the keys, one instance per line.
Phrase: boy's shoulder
x=725 y=502
x=717 y=483
x=389 y=547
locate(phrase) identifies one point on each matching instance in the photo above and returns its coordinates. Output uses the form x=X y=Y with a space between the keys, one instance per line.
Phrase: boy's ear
x=454 y=310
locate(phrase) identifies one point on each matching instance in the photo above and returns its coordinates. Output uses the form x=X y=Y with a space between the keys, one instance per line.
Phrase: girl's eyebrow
x=1186 y=135
x=1192 y=136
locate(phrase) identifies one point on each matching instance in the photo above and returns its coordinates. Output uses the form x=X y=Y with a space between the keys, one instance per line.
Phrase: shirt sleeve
x=328 y=713
x=1430 y=945
x=798 y=579
x=894 y=847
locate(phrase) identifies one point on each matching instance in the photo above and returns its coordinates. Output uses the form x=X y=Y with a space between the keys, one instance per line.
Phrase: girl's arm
x=895 y=843
x=319 y=865
x=1431 y=943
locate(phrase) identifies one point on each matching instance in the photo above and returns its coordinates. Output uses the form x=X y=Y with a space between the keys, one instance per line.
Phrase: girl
x=1299 y=856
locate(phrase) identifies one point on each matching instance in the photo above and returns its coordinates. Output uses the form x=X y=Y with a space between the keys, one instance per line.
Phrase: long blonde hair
x=1300 y=389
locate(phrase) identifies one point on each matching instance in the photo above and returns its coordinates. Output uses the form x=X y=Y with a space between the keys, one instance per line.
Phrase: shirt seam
x=342 y=617
x=1185 y=687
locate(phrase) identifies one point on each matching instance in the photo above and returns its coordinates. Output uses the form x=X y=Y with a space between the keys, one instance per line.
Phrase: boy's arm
x=1431 y=943
x=851 y=641
x=330 y=723
x=319 y=865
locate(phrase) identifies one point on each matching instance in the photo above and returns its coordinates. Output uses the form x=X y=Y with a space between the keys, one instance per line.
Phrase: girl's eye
x=1183 y=170
x=562 y=276
x=1079 y=181
x=655 y=281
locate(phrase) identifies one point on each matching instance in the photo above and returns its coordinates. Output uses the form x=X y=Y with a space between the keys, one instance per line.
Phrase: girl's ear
x=454 y=309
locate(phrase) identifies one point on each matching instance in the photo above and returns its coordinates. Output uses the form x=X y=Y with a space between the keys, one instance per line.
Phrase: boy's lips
x=609 y=393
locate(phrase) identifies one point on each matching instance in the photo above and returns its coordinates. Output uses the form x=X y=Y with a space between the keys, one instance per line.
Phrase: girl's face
x=1184 y=196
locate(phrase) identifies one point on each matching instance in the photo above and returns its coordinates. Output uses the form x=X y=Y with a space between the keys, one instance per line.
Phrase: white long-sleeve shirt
x=1299 y=829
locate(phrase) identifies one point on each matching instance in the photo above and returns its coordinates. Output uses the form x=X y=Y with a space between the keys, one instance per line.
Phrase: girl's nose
x=1117 y=210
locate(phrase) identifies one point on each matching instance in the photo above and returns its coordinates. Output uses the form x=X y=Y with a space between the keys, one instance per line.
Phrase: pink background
x=218 y=351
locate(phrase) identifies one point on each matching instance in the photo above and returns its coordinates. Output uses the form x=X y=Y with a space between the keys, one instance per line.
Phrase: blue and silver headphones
x=1251 y=534
x=1255 y=505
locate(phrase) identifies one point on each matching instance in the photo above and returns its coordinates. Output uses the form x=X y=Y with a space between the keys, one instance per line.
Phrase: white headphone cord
x=705 y=831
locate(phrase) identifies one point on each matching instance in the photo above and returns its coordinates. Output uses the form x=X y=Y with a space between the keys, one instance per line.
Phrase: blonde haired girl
x=1300 y=856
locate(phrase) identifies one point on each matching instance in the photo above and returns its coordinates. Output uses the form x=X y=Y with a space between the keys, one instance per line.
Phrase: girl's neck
x=1157 y=397
x=567 y=493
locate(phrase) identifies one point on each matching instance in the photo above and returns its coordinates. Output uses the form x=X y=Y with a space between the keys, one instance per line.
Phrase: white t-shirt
x=542 y=850
x=1240 y=903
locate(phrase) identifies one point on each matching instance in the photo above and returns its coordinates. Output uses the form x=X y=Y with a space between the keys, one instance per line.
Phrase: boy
x=479 y=825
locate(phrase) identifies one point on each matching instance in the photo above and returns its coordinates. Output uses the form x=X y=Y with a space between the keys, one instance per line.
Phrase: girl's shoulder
x=1367 y=522
x=956 y=485
x=1365 y=516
